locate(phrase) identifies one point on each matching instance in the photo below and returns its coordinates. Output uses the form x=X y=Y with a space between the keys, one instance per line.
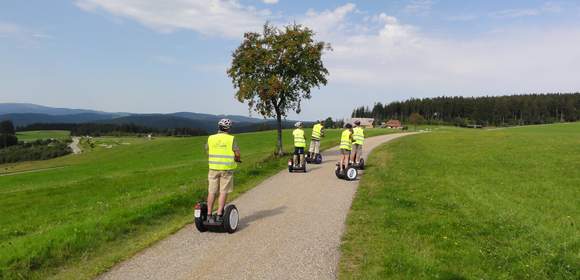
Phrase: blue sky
x=171 y=55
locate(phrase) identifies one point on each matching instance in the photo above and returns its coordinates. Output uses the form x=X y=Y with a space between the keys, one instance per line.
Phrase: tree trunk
x=279 y=147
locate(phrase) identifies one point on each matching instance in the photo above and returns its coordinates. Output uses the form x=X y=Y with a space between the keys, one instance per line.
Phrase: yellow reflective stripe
x=221 y=156
x=222 y=163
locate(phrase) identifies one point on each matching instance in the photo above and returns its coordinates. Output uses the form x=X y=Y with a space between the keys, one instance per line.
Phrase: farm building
x=393 y=124
x=364 y=122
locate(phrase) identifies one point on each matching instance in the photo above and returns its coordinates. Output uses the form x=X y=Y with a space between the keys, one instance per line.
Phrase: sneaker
x=219 y=218
x=211 y=219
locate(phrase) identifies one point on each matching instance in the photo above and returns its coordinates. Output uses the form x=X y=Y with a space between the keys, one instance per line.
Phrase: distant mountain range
x=23 y=114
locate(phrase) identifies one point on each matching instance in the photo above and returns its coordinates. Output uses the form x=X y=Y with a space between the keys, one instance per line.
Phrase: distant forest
x=102 y=129
x=486 y=111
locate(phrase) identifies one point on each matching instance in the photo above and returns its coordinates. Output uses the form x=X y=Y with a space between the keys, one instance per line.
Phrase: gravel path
x=74 y=145
x=290 y=228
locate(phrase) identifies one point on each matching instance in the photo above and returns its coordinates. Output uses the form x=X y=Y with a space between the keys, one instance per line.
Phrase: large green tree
x=275 y=70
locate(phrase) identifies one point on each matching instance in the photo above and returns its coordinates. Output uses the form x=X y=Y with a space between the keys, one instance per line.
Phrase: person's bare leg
x=222 y=202
x=210 y=200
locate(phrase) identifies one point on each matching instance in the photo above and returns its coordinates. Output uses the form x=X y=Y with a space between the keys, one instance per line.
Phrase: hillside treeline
x=36 y=150
x=487 y=110
x=7 y=134
x=105 y=129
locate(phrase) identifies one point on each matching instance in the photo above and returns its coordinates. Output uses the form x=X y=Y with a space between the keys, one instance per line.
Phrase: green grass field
x=28 y=136
x=73 y=217
x=469 y=204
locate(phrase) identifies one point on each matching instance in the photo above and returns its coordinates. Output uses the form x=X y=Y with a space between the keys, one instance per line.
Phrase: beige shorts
x=356 y=148
x=222 y=181
x=314 y=146
x=344 y=152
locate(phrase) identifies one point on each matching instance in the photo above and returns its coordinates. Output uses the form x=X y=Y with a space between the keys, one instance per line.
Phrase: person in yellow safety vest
x=223 y=155
x=358 y=137
x=299 y=145
x=345 y=146
x=317 y=134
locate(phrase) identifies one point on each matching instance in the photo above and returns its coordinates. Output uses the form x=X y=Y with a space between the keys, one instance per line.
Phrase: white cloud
x=390 y=56
x=464 y=17
x=270 y=1
x=227 y=18
x=420 y=7
x=384 y=55
x=328 y=21
x=15 y=31
x=548 y=7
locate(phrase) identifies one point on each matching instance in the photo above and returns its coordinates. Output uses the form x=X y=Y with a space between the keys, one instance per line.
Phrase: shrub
x=37 y=150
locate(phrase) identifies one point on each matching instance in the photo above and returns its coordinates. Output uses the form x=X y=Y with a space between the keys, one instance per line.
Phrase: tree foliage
x=7 y=127
x=7 y=134
x=37 y=150
x=487 y=110
x=328 y=123
x=277 y=69
x=415 y=119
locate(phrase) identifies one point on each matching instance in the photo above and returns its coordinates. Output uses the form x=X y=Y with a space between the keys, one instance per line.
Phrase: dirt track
x=290 y=228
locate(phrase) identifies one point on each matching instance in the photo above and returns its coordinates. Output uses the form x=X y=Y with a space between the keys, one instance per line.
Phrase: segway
x=360 y=165
x=230 y=222
x=317 y=159
x=348 y=173
x=299 y=167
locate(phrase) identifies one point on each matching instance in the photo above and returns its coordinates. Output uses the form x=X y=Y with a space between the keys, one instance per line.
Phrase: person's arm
x=237 y=155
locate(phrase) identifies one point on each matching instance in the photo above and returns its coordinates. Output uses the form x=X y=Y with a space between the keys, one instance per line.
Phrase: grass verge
x=469 y=204
x=106 y=204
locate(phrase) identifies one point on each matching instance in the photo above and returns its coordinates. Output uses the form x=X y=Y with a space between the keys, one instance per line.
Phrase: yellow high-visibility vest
x=221 y=153
x=358 y=135
x=316 y=131
x=345 y=141
x=299 y=140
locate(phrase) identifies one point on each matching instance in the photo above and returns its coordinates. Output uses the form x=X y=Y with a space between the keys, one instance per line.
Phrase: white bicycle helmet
x=298 y=124
x=225 y=124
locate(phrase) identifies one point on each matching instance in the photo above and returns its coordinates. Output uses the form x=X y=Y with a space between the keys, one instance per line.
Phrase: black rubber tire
x=199 y=221
x=231 y=226
x=361 y=164
x=318 y=159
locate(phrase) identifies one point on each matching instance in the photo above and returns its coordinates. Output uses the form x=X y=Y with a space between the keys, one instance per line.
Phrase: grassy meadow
x=73 y=217
x=469 y=204
x=29 y=136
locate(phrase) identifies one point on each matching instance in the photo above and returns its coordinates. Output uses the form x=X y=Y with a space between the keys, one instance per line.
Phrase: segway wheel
x=318 y=159
x=337 y=172
x=200 y=215
x=361 y=164
x=231 y=218
x=351 y=173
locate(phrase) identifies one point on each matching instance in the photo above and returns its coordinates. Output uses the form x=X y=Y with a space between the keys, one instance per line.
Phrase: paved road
x=290 y=228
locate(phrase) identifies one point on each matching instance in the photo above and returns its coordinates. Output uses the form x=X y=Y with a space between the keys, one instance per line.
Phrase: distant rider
x=223 y=153
x=345 y=146
x=317 y=133
x=299 y=144
x=358 y=137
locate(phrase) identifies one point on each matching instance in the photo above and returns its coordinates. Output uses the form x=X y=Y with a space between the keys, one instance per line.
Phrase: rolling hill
x=23 y=114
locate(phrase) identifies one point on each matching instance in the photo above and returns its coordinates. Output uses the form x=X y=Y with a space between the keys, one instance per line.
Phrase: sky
x=151 y=56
